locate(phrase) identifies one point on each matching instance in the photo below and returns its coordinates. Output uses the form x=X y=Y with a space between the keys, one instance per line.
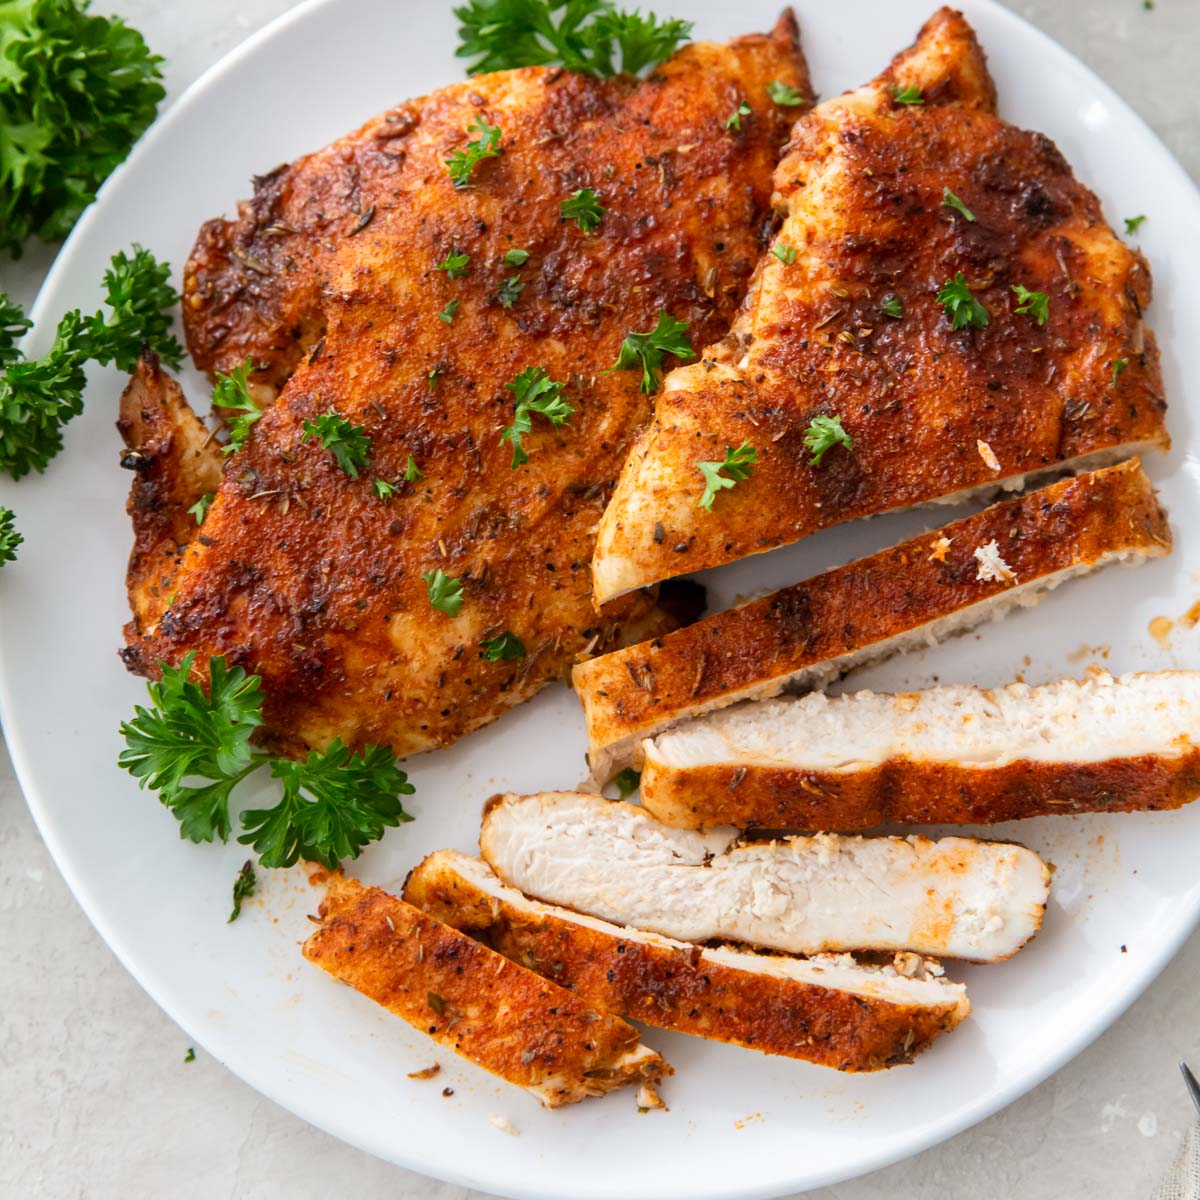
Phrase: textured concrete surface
x=97 y=1101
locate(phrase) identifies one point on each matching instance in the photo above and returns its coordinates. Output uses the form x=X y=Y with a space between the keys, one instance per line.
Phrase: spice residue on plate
x=1160 y=630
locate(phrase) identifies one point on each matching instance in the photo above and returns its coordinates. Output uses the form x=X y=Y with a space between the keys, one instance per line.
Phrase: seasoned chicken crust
x=470 y=999
x=328 y=281
x=846 y=323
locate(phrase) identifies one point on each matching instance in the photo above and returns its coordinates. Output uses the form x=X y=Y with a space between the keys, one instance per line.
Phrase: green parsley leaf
x=592 y=36
x=961 y=306
x=907 y=95
x=534 y=392
x=822 y=434
x=449 y=312
x=738 y=464
x=510 y=291
x=503 y=648
x=39 y=396
x=1036 y=304
x=784 y=94
x=192 y=734
x=950 y=200
x=1118 y=367
x=349 y=443
x=334 y=803
x=734 y=120
x=10 y=539
x=139 y=296
x=190 y=1056
x=445 y=592
x=412 y=473
x=584 y=208
x=199 y=510
x=455 y=265
x=383 y=489
x=461 y=164
x=1132 y=224
x=243 y=886
x=232 y=393
x=892 y=306
x=516 y=258
x=627 y=781
x=669 y=336
x=76 y=92
x=786 y=254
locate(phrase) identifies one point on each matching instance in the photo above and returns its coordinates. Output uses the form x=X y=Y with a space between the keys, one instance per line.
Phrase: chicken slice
x=489 y=1009
x=953 y=898
x=945 y=756
x=913 y=595
x=175 y=462
x=829 y=1010
x=885 y=204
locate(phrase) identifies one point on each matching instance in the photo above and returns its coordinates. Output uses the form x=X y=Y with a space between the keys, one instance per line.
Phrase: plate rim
x=214 y=1040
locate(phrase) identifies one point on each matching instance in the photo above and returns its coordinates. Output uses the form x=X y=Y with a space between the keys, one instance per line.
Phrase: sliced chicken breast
x=829 y=1010
x=914 y=594
x=955 y=898
x=489 y=1009
x=948 y=755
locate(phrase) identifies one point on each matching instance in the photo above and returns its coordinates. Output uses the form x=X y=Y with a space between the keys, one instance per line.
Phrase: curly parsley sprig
x=737 y=466
x=10 y=539
x=193 y=747
x=592 y=36
x=646 y=350
x=534 y=392
x=38 y=396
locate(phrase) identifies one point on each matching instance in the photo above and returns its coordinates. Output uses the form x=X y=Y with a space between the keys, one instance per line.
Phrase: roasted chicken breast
x=944 y=756
x=829 y=1010
x=911 y=595
x=363 y=283
x=953 y=898
x=472 y=1000
x=944 y=311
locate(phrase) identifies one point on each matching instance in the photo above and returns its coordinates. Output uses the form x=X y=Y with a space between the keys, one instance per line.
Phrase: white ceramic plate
x=1126 y=890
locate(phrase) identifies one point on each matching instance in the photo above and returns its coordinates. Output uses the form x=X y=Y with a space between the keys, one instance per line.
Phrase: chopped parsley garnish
x=78 y=90
x=39 y=396
x=646 y=350
x=592 y=36
x=907 y=95
x=734 y=120
x=738 y=465
x=383 y=489
x=333 y=803
x=504 y=648
x=462 y=162
x=455 y=265
x=412 y=473
x=784 y=94
x=534 y=393
x=445 y=592
x=199 y=510
x=243 y=886
x=231 y=392
x=349 y=443
x=785 y=253
x=584 y=208
x=1036 y=304
x=627 y=781
x=1132 y=224
x=950 y=200
x=449 y=312
x=1118 y=367
x=10 y=539
x=961 y=306
x=510 y=291
x=190 y=1056
x=516 y=258
x=822 y=434
x=892 y=306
